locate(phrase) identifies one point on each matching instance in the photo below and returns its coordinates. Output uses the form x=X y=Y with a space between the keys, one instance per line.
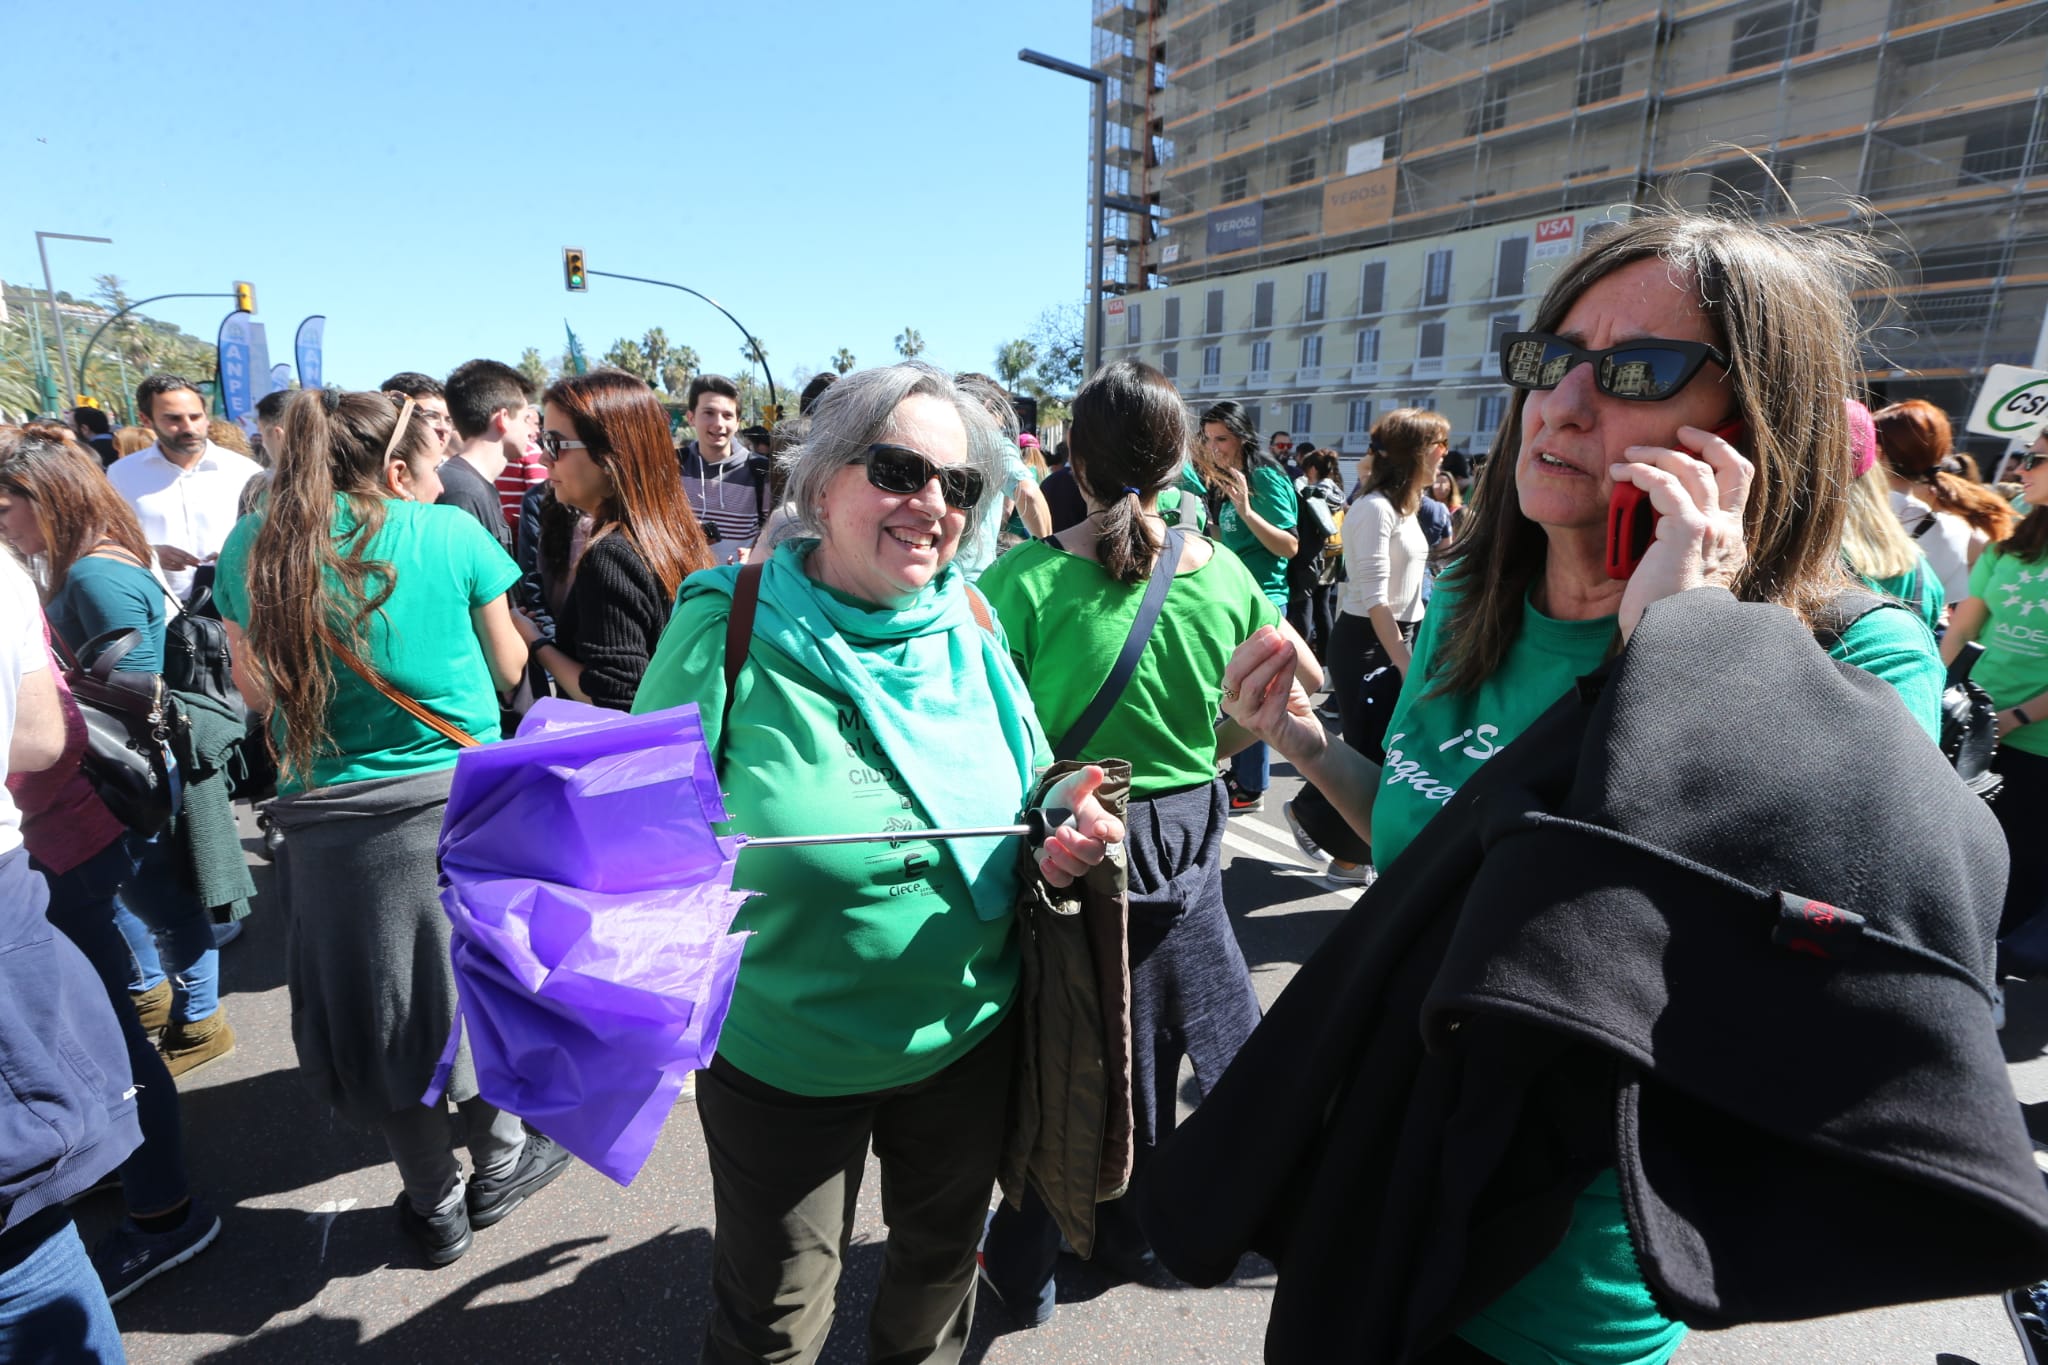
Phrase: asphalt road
x=312 y=1269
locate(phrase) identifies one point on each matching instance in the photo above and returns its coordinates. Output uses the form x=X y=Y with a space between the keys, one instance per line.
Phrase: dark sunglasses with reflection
x=901 y=470
x=1647 y=370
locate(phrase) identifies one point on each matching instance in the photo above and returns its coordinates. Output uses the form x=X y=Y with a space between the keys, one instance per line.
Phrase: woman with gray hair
x=873 y=1003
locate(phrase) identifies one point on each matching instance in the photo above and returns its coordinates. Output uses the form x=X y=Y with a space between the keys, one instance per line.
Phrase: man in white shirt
x=185 y=490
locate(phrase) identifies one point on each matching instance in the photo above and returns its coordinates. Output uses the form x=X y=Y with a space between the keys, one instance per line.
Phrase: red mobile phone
x=1632 y=522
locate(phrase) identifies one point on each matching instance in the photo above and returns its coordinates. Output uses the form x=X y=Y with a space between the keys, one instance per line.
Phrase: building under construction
x=1350 y=199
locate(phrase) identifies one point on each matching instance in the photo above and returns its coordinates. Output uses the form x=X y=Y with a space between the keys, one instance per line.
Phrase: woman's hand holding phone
x=1699 y=493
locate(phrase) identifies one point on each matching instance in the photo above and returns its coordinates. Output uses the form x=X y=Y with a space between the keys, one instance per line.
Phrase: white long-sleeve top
x=1384 y=553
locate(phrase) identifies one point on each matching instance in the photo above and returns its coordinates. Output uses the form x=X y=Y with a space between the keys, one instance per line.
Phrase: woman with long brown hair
x=1952 y=517
x=1379 y=608
x=349 y=603
x=605 y=438
x=1645 y=348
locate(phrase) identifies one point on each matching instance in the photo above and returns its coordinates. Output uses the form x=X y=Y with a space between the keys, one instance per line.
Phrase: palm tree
x=843 y=361
x=909 y=343
x=1014 y=359
x=753 y=352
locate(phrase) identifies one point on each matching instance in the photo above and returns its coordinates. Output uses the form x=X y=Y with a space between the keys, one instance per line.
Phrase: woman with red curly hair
x=1952 y=517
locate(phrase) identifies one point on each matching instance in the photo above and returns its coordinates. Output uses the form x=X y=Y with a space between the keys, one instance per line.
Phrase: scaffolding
x=1927 y=119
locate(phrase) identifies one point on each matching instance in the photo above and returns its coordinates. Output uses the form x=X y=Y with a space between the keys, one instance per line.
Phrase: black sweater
x=612 y=620
x=1607 y=951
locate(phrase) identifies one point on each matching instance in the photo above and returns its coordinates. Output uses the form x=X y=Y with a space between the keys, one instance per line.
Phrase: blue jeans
x=82 y=909
x=169 y=932
x=52 y=1308
x=1251 y=769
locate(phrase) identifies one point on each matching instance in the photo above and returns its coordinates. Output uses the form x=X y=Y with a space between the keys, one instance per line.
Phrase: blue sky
x=830 y=172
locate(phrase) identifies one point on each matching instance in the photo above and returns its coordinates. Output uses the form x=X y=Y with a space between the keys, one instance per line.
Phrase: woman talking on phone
x=1666 y=329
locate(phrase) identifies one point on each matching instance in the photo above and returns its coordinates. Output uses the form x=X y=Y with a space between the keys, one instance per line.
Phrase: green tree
x=753 y=352
x=910 y=343
x=1014 y=360
x=843 y=361
x=534 y=368
x=678 y=367
x=627 y=355
x=1057 y=337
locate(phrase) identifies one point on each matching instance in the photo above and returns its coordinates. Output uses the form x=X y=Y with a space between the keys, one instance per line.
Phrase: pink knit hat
x=1862 y=436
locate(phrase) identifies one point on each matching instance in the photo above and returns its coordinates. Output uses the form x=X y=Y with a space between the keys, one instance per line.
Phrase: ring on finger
x=1230 y=694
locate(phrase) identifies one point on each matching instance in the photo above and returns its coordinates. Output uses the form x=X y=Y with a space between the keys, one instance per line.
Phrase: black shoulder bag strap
x=1848 y=607
x=1112 y=689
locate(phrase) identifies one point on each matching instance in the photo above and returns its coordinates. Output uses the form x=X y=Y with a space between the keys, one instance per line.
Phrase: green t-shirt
x=101 y=596
x=2015 y=662
x=1918 y=588
x=422 y=641
x=1272 y=497
x=868 y=967
x=1065 y=613
x=1587 y=1300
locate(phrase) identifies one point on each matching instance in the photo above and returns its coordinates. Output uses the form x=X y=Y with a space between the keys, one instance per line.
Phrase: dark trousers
x=82 y=909
x=1355 y=654
x=2021 y=808
x=1312 y=611
x=785 y=1175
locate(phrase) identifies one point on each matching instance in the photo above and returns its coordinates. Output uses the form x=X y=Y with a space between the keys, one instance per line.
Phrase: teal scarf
x=940 y=693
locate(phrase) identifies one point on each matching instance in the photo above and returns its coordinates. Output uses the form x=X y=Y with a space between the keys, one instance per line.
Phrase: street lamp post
x=1098 y=160
x=56 y=316
x=773 y=397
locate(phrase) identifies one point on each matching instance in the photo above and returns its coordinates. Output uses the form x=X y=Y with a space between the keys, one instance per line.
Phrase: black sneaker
x=128 y=1258
x=2027 y=1306
x=442 y=1238
x=1243 y=802
x=541 y=1160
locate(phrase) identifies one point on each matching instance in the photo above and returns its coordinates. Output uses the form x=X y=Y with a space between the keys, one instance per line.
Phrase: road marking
x=325 y=1215
x=1241 y=834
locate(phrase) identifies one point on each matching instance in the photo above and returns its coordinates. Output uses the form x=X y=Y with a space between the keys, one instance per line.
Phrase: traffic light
x=771 y=413
x=572 y=270
x=245 y=297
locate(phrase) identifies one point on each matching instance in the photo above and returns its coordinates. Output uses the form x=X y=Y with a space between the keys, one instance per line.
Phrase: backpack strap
x=1112 y=689
x=739 y=633
x=1925 y=525
x=1832 y=622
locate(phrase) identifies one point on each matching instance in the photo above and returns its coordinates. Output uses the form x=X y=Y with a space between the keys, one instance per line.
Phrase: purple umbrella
x=590 y=907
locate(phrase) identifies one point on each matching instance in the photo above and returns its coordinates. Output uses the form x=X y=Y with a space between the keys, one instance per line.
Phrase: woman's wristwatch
x=2019 y=714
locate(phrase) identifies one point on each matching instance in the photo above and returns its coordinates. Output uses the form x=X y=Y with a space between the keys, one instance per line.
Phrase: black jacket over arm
x=1607 y=951
x=612 y=620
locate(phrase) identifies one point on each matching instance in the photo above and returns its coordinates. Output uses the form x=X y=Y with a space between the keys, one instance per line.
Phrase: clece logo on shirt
x=871 y=778
x=1479 y=743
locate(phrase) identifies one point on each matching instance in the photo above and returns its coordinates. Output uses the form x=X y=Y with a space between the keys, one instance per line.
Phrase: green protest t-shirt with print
x=422 y=640
x=2015 y=638
x=868 y=966
x=1272 y=497
x=1067 y=621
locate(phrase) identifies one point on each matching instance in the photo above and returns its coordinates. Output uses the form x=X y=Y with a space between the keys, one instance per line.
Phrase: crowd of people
x=985 y=626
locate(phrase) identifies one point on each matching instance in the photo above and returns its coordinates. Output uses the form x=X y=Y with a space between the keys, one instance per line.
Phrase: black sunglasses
x=553 y=443
x=899 y=469
x=2031 y=460
x=1643 y=371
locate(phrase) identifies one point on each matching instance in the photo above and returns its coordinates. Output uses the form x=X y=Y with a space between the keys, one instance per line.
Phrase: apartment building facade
x=1350 y=199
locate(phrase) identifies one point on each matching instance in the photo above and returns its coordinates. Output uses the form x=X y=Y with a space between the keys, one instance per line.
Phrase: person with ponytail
x=1255 y=518
x=605 y=439
x=349 y=591
x=1068 y=604
x=1952 y=517
x=1379 y=609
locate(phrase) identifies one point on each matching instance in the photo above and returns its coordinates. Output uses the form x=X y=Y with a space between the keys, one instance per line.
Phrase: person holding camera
x=726 y=483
